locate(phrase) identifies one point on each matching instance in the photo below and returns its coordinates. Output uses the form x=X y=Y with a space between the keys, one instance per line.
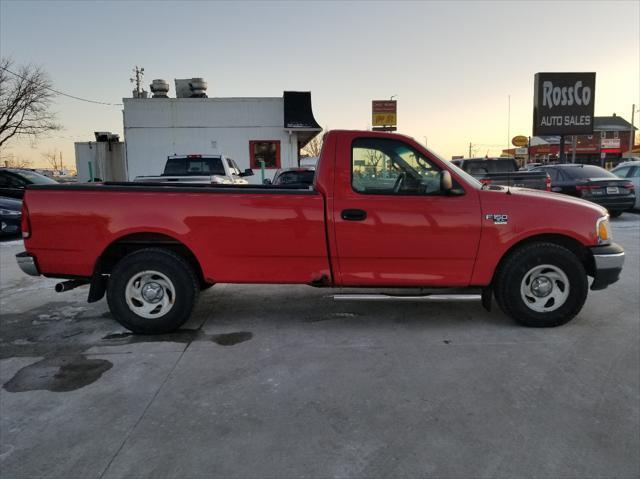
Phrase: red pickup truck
x=383 y=212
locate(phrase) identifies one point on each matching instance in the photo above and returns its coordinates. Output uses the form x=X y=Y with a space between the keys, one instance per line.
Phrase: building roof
x=611 y=123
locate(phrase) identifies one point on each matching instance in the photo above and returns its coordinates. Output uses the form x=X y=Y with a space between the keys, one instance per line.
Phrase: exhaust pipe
x=69 y=285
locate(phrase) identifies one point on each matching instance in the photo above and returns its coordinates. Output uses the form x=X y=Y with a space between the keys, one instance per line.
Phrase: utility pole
x=469 y=149
x=508 y=121
x=139 y=73
x=633 y=131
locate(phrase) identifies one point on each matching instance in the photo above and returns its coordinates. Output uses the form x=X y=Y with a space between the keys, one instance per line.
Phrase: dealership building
x=609 y=144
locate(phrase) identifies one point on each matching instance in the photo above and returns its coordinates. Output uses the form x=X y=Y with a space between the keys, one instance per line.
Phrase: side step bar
x=433 y=298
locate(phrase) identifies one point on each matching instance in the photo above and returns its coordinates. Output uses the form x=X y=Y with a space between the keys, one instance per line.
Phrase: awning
x=298 y=116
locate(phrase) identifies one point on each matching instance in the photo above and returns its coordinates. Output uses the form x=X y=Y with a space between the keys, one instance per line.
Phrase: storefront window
x=267 y=151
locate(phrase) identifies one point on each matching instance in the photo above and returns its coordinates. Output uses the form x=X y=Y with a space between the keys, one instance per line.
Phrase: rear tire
x=541 y=285
x=152 y=291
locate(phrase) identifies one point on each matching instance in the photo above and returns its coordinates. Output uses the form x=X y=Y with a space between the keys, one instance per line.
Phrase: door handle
x=354 y=215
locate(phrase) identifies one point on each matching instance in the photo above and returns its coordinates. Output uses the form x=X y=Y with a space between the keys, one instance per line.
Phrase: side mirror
x=446 y=183
x=266 y=181
x=247 y=172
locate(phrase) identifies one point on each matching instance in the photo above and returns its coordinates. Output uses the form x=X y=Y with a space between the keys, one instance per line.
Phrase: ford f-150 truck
x=384 y=213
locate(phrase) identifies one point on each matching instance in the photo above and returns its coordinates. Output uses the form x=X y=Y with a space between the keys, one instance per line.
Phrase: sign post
x=563 y=105
x=384 y=115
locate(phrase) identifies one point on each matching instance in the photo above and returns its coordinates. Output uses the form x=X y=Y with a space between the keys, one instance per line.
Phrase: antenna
x=139 y=73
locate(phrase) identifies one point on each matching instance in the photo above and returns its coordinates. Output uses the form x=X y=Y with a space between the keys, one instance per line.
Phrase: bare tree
x=54 y=159
x=25 y=102
x=314 y=147
x=375 y=158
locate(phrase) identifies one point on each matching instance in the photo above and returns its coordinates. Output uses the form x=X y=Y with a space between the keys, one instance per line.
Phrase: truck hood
x=547 y=199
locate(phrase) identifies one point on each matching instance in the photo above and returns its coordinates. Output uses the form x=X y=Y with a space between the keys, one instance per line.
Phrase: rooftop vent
x=159 y=88
x=191 y=88
x=106 y=136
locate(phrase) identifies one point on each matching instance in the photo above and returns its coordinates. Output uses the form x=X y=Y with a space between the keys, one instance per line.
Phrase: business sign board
x=384 y=115
x=521 y=151
x=610 y=143
x=563 y=103
x=519 y=141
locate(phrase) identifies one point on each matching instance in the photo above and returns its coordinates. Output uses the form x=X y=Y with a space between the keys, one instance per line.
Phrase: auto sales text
x=566 y=120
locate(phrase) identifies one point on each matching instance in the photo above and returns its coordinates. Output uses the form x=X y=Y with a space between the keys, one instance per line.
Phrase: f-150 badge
x=498 y=219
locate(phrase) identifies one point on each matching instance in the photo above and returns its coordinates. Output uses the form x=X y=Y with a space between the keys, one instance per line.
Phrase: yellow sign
x=384 y=119
x=519 y=141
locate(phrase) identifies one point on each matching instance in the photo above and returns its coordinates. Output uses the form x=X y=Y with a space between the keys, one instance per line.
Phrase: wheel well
x=581 y=251
x=134 y=242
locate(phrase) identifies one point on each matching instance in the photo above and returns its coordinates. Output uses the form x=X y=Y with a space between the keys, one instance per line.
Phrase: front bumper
x=27 y=264
x=608 y=261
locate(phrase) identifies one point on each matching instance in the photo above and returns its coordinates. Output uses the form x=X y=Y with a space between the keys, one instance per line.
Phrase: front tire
x=541 y=285
x=152 y=291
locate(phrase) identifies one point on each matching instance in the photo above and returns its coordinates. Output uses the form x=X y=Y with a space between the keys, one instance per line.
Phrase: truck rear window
x=489 y=166
x=193 y=166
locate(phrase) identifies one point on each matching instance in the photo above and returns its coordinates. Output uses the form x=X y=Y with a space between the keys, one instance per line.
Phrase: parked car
x=503 y=171
x=594 y=184
x=413 y=220
x=202 y=169
x=293 y=176
x=530 y=166
x=630 y=170
x=14 y=180
x=10 y=216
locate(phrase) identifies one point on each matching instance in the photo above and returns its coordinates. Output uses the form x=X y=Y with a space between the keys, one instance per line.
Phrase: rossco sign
x=563 y=103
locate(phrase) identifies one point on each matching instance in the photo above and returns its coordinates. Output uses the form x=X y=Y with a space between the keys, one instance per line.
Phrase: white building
x=245 y=129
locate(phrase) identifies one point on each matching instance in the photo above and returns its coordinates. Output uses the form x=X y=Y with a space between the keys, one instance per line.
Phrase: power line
x=62 y=93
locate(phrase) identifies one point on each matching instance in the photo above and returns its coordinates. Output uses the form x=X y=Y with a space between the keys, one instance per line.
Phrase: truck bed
x=240 y=234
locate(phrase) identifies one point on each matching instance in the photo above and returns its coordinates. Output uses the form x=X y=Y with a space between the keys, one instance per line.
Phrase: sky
x=453 y=66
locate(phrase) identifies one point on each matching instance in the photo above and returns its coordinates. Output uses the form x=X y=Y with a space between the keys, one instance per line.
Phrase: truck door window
x=391 y=167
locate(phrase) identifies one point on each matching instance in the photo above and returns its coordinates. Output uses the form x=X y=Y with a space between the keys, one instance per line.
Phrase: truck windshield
x=35 y=178
x=194 y=167
x=466 y=176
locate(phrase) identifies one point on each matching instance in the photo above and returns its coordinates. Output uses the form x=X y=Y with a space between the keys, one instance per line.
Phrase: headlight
x=603 y=231
x=9 y=212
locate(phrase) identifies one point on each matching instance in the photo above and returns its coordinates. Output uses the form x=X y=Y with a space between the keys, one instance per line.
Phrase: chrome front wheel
x=544 y=288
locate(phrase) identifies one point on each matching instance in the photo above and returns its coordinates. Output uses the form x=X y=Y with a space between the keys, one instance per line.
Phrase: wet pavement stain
x=231 y=339
x=60 y=374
